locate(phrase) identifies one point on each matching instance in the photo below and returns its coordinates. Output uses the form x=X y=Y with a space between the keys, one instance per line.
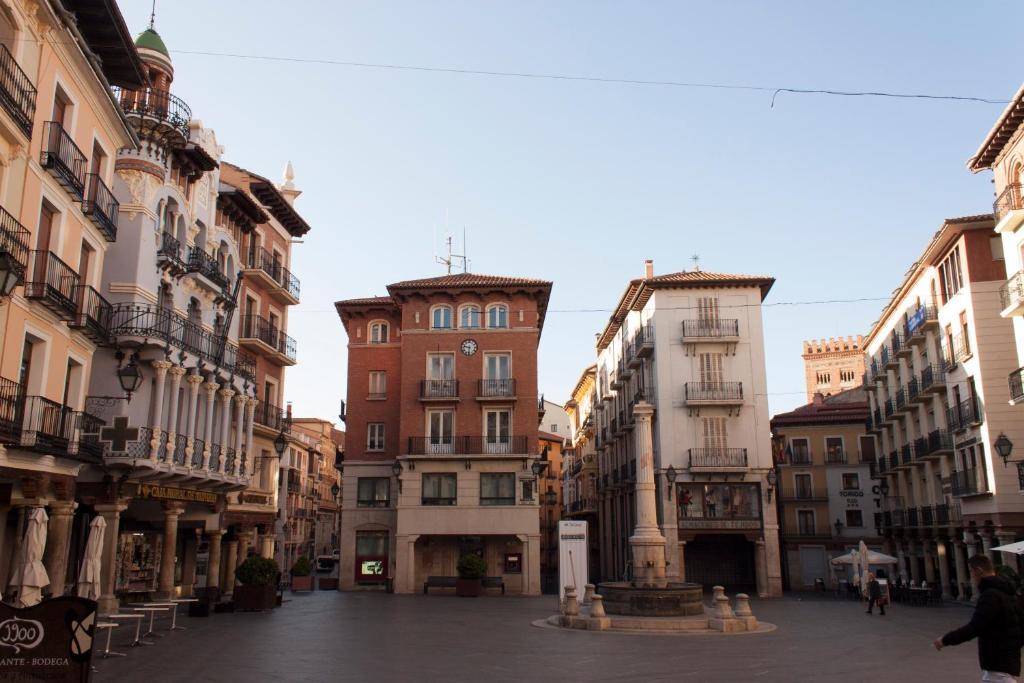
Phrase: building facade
x=828 y=496
x=937 y=362
x=549 y=483
x=442 y=417
x=833 y=365
x=60 y=132
x=580 y=473
x=690 y=344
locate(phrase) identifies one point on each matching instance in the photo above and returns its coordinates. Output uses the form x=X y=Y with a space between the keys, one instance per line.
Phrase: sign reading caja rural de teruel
x=51 y=641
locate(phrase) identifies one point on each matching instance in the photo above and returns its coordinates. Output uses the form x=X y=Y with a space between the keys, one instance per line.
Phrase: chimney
x=648 y=269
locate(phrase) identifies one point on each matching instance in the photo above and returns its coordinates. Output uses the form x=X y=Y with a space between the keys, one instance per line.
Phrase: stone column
x=963 y=578
x=213 y=568
x=58 y=540
x=761 y=567
x=971 y=540
x=194 y=380
x=942 y=548
x=901 y=558
x=188 y=565
x=230 y=562
x=165 y=583
x=176 y=373
x=161 y=367
x=929 y=566
x=245 y=539
x=225 y=422
x=267 y=546
x=647 y=543
x=111 y=513
x=240 y=401
x=250 y=413
x=915 y=567
x=682 y=560
x=211 y=390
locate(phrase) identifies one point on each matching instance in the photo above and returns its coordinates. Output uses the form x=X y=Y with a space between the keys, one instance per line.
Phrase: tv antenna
x=454 y=259
x=696 y=262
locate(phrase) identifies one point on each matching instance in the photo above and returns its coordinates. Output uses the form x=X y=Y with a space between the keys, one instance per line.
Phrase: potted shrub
x=259 y=577
x=472 y=569
x=302 y=575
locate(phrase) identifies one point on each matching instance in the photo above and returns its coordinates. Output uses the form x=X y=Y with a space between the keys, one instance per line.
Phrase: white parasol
x=89 y=575
x=30 y=576
x=874 y=558
x=1016 y=548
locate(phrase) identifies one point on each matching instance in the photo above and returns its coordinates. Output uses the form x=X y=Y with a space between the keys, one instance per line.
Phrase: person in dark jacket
x=875 y=595
x=996 y=623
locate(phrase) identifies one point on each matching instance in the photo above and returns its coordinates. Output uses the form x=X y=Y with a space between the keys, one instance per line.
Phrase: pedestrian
x=875 y=595
x=997 y=623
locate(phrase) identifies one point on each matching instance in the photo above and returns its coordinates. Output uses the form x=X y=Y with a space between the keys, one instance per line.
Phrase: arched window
x=378 y=332
x=497 y=315
x=469 y=317
x=441 y=318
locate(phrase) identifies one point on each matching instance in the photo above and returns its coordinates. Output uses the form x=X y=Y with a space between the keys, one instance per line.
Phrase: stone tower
x=833 y=365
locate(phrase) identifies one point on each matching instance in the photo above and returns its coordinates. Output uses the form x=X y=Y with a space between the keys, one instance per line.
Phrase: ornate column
x=929 y=566
x=213 y=569
x=682 y=560
x=240 y=401
x=267 y=546
x=647 y=543
x=901 y=560
x=211 y=390
x=245 y=539
x=963 y=579
x=915 y=568
x=58 y=539
x=165 y=583
x=176 y=373
x=942 y=548
x=225 y=420
x=250 y=411
x=111 y=513
x=161 y=367
x=230 y=562
x=194 y=380
x=761 y=567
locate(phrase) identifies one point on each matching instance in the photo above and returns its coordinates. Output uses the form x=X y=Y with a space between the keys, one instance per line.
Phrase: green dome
x=151 y=40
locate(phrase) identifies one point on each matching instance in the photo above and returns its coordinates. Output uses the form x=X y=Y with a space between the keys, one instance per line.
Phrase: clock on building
x=469 y=347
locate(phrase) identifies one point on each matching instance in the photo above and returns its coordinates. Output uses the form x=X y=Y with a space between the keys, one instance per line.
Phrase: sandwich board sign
x=572 y=557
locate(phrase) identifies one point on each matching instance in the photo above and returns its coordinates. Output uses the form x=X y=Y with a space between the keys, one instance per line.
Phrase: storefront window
x=719 y=501
x=371 y=555
x=374 y=492
x=497 y=488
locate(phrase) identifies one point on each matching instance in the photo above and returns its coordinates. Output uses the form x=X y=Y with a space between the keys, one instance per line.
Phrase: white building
x=692 y=345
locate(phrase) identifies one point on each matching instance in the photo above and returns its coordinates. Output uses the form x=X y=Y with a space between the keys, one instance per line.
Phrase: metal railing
x=48 y=426
x=17 y=94
x=52 y=281
x=939 y=440
x=496 y=388
x=836 y=456
x=906 y=454
x=198 y=453
x=966 y=414
x=1012 y=291
x=958 y=350
x=261 y=259
x=257 y=327
x=269 y=415
x=932 y=375
x=177 y=449
x=14 y=239
x=93 y=314
x=87 y=444
x=12 y=411
x=215 y=456
x=170 y=248
x=1016 y=382
x=61 y=156
x=230 y=461
x=100 y=205
x=968 y=482
x=718 y=457
x=467 y=445
x=1010 y=199
x=158 y=105
x=205 y=264
x=439 y=388
x=701 y=328
x=714 y=391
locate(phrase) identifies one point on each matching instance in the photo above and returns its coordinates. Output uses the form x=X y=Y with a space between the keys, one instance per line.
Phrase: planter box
x=254 y=597
x=326 y=584
x=468 y=588
x=302 y=583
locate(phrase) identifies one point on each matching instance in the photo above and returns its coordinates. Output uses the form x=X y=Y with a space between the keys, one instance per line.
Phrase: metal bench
x=439 y=582
x=494 y=582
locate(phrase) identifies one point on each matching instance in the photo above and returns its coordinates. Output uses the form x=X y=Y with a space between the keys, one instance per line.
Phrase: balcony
x=1016 y=382
x=938 y=442
x=899 y=517
x=48 y=426
x=889 y=409
x=836 y=456
x=924 y=317
x=1009 y=208
x=17 y=94
x=62 y=158
x=206 y=265
x=914 y=394
x=906 y=454
x=1011 y=295
x=804 y=495
x=927 y=516
x=901 y=400
x=85 y=444
x=614 y=379
x=713 y=393
x=156 y=115
x=717 y=459
x=468 y=445
x=169 y=255
x=969 y=482
x=100 y=206
x=643 y=341
x=799 y=457
x=711 y=330
x=964 y=416
x=270 y=416
x=878 y=374
x=956 y=352
x=439 y=390
x=900 y=348
x=268 y=268
x=93 y=314
x=886 y=359
x=153 y=324
x=495 y=389
x=912 y=517
x=261 y=335
x=933 y=379
x=881 y=466
x=169 y=461
x=14 y=240
x=53 y=283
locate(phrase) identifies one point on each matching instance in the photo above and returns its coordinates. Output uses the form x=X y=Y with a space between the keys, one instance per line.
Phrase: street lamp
x=670 y=475
x=839 y=526
x=550 y=498
x=280 y=443
x=10 y=273
x=396 y=469
x=772 y=480
x=129 y=376
x=1003 y=447
x=538 y=466
x=335 y=490
x=884 y=488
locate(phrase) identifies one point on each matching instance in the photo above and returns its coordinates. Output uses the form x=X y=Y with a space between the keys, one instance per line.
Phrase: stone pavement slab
x=329 y=636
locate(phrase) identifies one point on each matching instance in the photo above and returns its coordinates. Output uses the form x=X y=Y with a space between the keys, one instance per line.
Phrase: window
x=379 y=333
x=441 y=366
x=714 y=433
x=497 y=375
x=439 y=489
x=498 y=437
x=802 y=486
x=378 y=384
x=966 y=341
x=854 y=519
x=469 y=317
x=497 y=315
x=951 y=275
x=439 y=430
x=373 y=492
x=851 y=481
x=799 y=452
x=805 y=522
x=441 y=318
x=371 y=555
x=707 y=311
x=867 y=448
x=834 y=452
x=375 y=436
x=710 y=369
x=847 y=376
x=497 y=488
x=719 y=501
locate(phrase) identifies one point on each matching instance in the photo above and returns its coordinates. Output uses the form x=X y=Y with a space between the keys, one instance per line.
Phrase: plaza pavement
x=330 y=636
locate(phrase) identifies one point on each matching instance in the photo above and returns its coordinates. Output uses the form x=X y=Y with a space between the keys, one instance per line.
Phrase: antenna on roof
x=152 y=16
x=452 y=259
x=696 y=262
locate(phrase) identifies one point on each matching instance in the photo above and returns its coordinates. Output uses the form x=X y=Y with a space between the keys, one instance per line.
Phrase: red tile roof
x=703 y=277
x=548 y=436
x=469 y=280
x=1002 y=132
x=846 y=407
x=366 y=301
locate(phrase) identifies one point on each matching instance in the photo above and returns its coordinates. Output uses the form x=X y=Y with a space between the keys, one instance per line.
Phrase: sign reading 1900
x=50 y=641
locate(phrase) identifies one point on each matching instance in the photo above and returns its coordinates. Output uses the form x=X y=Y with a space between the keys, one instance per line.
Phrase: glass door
x=439 y=428
x=498 y=438
x=498 y=375
x=440 y=375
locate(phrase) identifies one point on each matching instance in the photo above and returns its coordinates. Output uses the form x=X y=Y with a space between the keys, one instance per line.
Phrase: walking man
x=996 y=623
x=875 y=595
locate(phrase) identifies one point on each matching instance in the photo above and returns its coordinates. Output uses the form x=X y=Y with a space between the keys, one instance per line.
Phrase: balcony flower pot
x=472 y=569
x=259 y=577
x=302 y=575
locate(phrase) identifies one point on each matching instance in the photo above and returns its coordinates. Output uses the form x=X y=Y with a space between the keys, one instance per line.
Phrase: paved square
x=374 y=637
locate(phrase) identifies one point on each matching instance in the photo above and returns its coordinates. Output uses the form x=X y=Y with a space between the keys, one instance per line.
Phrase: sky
x=579 y=182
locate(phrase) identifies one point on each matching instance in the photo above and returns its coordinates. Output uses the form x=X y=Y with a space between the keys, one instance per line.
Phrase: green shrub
x=472 y=567
x=257 y=571
x=302 y=567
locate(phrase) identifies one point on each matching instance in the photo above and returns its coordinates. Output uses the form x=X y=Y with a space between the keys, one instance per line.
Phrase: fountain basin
x=677 y=599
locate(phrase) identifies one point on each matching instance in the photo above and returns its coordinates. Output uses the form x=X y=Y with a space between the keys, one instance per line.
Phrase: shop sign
x=51 y=641
x=254 y=499
x=174 y=493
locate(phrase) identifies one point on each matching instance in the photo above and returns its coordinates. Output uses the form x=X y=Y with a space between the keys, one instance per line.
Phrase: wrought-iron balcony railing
x=899 y=517
x=12 y=410
x=968 y=482
x=170 y=251
x=714 y=328
x=836 y=456
x=912 y=516
x=439 y=389
x=957 y=351
x=1010 y=199
x=1011 y=294
x=799 y=457
x=271 y=416
x=889 y=407
x=62 y=158
x=1016 y=382
x=496 y=388
x=883 y=356
x=155 y=110
x=906 y=454
x=164 y=325
x=897 y=343
x=1020 y=474
x=927 y=516
x=643 y=340
x=964 y=415
x=215 y=457
x=917 y=322
x=263 y=260
x=17 y=94
x=48 y=426
x=901 y=399
x=100 y=206
x=933 y=376
x=920 y=447
x=467 y=445
x=257 y=327
x=718 y=457
x=205 y=264
x=52 y=282
x=714 y=391
x=14 y=240
x=86 y=444
x=913 y=390
x=198 y=453
x=176 y=449
x=93 y=314
x=939 y=441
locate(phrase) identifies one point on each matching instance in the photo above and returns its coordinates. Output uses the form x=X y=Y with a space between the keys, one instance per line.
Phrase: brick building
x=833 y=365
x=442 y=431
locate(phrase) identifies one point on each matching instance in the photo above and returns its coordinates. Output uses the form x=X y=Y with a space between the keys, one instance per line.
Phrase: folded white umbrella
x=89 y=574
x=1017 y=548
x=873 y=558
x=30 y=577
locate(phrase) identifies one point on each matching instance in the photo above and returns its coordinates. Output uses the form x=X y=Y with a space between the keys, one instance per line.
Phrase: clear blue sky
x=579 y=182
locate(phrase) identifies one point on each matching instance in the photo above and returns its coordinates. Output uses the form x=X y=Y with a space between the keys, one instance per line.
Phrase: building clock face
x=469 y=347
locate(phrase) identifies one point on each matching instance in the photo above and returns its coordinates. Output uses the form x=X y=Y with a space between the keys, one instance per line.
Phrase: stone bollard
x=722 y=617
x=572 y=607
x=598 y=620
x=597 y=606
x=588 y=593
x=744 y=613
